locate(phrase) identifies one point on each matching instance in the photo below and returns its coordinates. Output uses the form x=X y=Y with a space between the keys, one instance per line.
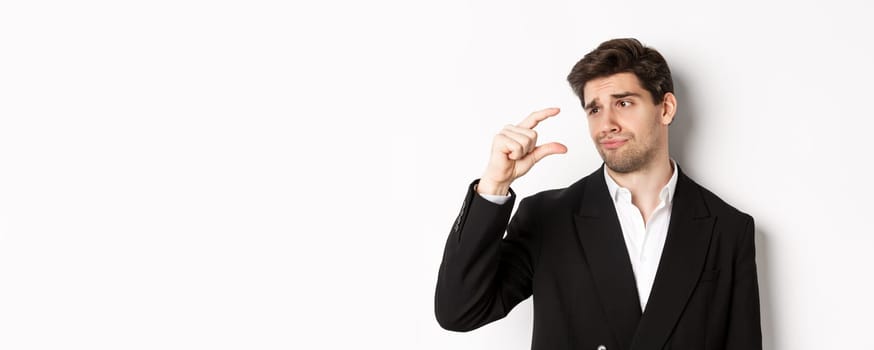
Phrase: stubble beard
x=629 y=158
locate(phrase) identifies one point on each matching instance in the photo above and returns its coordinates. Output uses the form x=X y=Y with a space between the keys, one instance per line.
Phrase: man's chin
x=617 y=169
x=621 y=166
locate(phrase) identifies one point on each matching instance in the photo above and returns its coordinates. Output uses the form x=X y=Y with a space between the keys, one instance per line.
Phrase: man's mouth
x=613 y=144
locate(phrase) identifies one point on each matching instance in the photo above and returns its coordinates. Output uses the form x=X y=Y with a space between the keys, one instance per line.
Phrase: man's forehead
x=619 y=84
x=613 y=83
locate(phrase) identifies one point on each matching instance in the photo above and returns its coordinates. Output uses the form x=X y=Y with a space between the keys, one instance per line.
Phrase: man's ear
x=669 y=108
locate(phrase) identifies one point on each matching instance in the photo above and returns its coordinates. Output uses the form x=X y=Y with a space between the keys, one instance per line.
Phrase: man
x=634 y=256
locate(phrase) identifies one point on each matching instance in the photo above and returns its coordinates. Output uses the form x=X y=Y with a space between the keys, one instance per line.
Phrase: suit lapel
x=682 y=260
x=601 y=237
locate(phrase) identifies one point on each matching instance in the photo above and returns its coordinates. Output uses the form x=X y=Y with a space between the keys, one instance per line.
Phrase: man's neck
x=646 y=183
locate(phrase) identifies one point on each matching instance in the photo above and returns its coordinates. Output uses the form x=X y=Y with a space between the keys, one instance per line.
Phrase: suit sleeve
x=484 y=275
x=744 y=325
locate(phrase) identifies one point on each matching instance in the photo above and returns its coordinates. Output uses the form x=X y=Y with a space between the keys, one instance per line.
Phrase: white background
x=267 y=175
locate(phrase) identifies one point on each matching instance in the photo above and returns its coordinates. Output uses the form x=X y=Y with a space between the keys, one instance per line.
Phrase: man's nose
x=608 y=122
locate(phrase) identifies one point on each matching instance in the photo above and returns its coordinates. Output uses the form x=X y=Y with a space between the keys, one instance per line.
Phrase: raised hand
x=514 y=152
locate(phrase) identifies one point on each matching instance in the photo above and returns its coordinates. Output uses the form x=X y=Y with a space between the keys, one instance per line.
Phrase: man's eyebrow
x=625 y=94
x=614 y=96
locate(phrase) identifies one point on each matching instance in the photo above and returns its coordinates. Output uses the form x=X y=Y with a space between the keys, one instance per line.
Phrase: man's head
x=627 y=93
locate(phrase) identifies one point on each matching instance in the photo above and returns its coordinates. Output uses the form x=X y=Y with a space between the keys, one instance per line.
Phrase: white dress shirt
x=644 y=242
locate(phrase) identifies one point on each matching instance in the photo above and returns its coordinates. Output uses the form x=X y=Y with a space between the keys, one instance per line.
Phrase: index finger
x=534 y=118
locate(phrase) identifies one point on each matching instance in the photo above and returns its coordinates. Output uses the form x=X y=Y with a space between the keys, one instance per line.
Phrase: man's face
x=627 y=128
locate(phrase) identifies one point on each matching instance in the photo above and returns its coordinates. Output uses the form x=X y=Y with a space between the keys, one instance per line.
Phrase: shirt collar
x=666 y=195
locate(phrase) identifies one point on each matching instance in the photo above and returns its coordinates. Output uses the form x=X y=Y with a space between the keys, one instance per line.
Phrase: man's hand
x=514 y=152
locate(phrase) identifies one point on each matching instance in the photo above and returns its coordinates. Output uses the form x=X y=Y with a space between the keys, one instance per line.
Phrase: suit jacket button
x=602 y=347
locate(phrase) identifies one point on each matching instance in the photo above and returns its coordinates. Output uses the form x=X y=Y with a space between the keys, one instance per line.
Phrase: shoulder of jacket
x=558 y=195
x=720 y=207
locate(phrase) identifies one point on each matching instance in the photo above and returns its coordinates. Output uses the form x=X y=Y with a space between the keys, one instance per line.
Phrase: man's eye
x=594 y=110
x=624 y=103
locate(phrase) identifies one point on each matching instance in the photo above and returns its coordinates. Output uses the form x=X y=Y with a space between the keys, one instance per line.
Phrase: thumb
x=546 y=149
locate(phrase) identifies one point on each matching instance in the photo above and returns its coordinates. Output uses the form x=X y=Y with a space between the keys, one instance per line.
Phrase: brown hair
x=620 y=56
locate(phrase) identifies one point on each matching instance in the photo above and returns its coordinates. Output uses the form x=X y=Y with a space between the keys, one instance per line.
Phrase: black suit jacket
x=565 y=247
